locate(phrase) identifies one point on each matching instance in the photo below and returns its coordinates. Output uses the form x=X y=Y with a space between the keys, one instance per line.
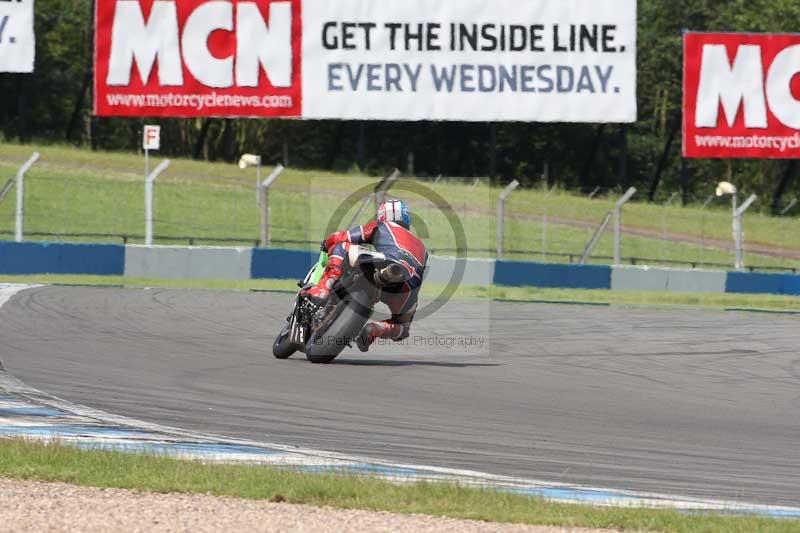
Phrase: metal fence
x=541 y=225
x=557 y=226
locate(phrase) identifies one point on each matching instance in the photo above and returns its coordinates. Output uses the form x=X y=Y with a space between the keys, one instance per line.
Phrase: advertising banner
x=17 y=39
x=465 y=60
x=741 y=95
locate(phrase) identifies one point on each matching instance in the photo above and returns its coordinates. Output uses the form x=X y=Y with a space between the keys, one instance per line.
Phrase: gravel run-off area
x=34 y=506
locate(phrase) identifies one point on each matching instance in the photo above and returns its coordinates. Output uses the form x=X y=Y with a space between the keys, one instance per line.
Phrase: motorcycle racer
x=389 y=234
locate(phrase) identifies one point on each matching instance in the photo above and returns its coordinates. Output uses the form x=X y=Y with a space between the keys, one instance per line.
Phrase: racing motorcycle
x=323 y=331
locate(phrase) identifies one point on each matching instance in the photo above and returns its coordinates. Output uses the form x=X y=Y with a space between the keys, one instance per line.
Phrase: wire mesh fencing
x=556 y=226
x=540 y=224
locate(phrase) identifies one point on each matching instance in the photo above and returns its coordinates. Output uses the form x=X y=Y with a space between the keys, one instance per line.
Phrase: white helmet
x=395 y=211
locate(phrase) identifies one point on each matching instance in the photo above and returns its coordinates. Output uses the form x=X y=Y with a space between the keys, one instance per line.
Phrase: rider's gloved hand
x=334 y=239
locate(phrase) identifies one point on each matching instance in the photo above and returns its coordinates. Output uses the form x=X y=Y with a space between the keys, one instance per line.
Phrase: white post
x=618 y=225
x=383 y=186
x=259 y=195
x=264 y=187
x=360 y=211
x=789 y=207
x=148 y=201
x=501 y=215
x=738 y=230
x=20 y=214
x=703 y=227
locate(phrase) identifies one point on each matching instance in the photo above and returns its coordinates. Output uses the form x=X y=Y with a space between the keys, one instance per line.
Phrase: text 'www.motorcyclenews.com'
x=744 y=142
x=199 y=101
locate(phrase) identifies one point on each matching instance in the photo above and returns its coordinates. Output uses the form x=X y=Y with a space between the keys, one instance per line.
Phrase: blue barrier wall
x=791 y=285
x=110 y=260
x=521 y=274
x=281 y=264
x=52 y=258
x=757 y=283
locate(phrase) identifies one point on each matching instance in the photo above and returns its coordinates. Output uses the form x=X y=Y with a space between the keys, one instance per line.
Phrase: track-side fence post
x=259 y=191
x=253 y=160
x=618 y=224
x=149 y=184
x=789 y=207
x=703 y=227
x=265 y=187
x=501 y=216
x=738 y=228
x=20 y=213
x=361 y=209
x=665 y=222
x=385 y=184
x=783 y=213
x=587 y=252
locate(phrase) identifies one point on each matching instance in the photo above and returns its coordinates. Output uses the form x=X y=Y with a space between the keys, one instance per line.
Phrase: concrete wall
x=663 y=279
x=639 y=279
x=166 y=262
x=477 y=272
x=701 y=281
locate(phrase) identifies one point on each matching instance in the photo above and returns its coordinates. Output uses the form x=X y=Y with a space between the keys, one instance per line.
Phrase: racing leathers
x=395 y=242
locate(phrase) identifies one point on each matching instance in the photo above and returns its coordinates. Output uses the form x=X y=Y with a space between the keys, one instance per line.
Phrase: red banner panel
x=741 y=95
x=194 y=58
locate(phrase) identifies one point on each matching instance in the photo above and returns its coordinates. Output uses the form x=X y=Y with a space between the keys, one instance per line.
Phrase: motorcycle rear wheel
x=324 y=346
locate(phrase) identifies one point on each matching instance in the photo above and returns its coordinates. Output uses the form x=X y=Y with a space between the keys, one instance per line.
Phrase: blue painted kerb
x=57 y=258
x=522 y=274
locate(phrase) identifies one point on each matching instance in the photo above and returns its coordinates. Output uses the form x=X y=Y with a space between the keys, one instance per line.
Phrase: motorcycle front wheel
x=283 y=348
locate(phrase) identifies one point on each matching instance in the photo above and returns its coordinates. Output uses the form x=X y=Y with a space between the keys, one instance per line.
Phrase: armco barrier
x=521 y=274
x=56 y=258
x=165 y=262
x=665 y=279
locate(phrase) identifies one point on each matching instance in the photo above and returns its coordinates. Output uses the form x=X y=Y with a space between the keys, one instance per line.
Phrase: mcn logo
x=742 y=85
x=198 y=58
x=741 y=95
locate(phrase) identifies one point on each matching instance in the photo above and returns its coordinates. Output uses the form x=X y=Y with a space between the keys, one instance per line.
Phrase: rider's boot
x=320 y=292
x=377 y=330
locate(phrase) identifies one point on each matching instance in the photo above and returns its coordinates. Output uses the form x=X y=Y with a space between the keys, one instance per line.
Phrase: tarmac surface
x=685 y=402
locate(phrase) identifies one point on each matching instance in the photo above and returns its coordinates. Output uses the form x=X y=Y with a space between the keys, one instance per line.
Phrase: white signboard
x=474 y=60
x=17 y=41
x=152 y=138
x=465 y=60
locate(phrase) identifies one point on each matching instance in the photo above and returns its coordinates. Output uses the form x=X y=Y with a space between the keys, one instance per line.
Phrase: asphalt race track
x=684 y=402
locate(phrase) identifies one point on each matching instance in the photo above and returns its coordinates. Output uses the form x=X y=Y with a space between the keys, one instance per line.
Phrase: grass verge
x=74 y=191
x=745 y=302
x=21 y=459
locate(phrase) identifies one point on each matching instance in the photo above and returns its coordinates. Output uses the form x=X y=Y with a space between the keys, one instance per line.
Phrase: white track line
x=86 y=418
